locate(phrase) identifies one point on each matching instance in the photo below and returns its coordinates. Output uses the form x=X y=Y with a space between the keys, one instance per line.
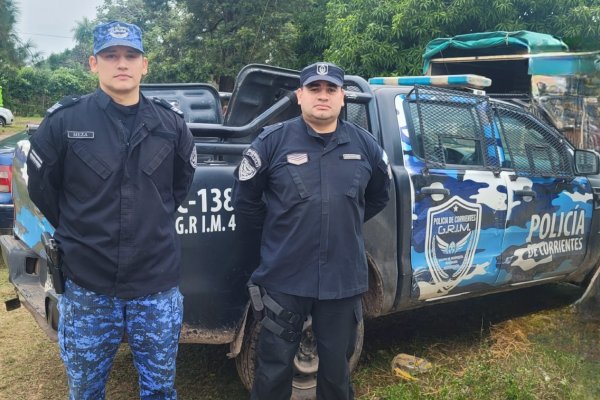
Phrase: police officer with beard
x=310 y=183
x=109 y=170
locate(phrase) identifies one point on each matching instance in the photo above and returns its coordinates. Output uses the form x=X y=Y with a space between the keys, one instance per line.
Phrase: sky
x=49 y=23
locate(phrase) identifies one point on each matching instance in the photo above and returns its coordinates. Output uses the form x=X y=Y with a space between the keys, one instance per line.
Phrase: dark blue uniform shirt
x=111 y=195
x=317 y=195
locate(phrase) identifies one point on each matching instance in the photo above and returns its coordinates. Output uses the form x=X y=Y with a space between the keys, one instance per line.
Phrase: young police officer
x=109 y=170
x=321 y=179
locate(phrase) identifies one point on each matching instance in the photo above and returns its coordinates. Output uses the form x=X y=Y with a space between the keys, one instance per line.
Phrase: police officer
x=109 y=170
x=321 y=178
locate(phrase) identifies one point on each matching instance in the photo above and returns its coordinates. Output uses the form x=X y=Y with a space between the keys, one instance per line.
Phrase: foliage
x=13 y=52
x=374 y=37
x=225 y=35
x=312 y=38
x=211 y=40
x=34 y=90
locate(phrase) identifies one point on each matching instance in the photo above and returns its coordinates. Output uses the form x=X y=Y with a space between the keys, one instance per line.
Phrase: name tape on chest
x=297 y=158
x=351 y=157
x=80 y=134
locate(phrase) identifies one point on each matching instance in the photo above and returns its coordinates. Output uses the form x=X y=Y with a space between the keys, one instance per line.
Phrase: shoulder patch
x=246 y=170
x=65 y=102
x=167 y=105
x=267 y=130
x=254 y=156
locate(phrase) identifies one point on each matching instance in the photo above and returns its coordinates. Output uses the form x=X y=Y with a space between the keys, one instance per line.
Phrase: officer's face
x=321 y=103
x=120 y=70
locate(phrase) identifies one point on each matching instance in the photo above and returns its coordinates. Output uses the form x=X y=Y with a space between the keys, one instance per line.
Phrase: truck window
x=356 y=113
x=531 y=148
x=446 y=133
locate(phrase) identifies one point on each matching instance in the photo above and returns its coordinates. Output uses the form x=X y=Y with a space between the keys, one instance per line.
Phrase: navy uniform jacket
x=112 y=196
x=315 y=201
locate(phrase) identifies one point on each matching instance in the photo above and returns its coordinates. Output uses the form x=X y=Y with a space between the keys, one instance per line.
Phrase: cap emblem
x=322 y=69
x=118 y=31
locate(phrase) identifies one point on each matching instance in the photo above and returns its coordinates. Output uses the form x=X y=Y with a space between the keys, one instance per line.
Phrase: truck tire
x=304 y=385
x=2 y=122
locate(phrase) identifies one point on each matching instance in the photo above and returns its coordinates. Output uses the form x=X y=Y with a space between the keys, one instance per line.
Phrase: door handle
x=434 y=190
x=525 y=193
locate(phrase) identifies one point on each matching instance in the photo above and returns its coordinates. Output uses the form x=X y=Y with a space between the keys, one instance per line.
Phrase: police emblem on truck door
x=451 y=240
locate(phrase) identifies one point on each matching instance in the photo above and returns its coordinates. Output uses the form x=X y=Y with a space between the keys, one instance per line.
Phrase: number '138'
x=218 y=200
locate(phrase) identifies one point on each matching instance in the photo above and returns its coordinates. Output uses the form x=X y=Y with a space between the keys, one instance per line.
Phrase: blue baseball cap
x=115 y=33
x=322 y=71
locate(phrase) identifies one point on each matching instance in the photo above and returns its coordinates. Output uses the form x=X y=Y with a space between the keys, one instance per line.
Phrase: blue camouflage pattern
x=91 y=328
x=482 y=236
x=116 y=33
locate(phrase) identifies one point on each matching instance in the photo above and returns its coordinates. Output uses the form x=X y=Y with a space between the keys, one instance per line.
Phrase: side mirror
x=587 y=162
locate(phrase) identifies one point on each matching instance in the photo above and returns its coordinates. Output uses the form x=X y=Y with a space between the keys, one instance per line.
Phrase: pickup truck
x=485 y=197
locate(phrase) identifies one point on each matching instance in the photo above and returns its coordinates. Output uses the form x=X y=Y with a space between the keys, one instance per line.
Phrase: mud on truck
x=486 y=197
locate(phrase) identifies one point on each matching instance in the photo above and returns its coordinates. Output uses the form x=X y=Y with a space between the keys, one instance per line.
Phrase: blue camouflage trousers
x=91 y=328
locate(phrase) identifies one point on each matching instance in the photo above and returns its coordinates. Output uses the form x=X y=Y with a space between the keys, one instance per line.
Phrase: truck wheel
x=306 y=362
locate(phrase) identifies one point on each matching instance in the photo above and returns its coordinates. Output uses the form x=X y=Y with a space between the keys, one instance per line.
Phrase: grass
x=19 y=124
x=477 y=353
x=515 y=346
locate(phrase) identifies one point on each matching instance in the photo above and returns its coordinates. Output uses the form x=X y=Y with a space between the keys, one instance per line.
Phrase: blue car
x=7 y=151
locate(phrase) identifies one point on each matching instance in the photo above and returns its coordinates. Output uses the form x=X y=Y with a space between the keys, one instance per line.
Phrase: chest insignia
x=80 y=134
x=351 y=157
x=297 y=158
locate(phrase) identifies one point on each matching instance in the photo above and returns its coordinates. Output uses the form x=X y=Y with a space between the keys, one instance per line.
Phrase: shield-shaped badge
x=451 y=241
x=322 y=69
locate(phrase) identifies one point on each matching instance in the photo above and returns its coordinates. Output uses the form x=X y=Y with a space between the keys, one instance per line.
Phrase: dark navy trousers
x=334 y=325
x=91 y=328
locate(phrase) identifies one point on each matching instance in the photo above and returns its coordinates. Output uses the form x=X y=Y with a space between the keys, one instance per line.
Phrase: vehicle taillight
x=5 y=178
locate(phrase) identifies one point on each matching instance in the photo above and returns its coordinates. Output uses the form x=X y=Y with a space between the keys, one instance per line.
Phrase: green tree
x=313 y=38
x=224 y=35
x=8 y=39
x=373 y=37
x=13 y=53
x=210 y=40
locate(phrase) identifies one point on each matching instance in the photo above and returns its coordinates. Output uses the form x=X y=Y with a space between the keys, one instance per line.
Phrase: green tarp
x=492 y=43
